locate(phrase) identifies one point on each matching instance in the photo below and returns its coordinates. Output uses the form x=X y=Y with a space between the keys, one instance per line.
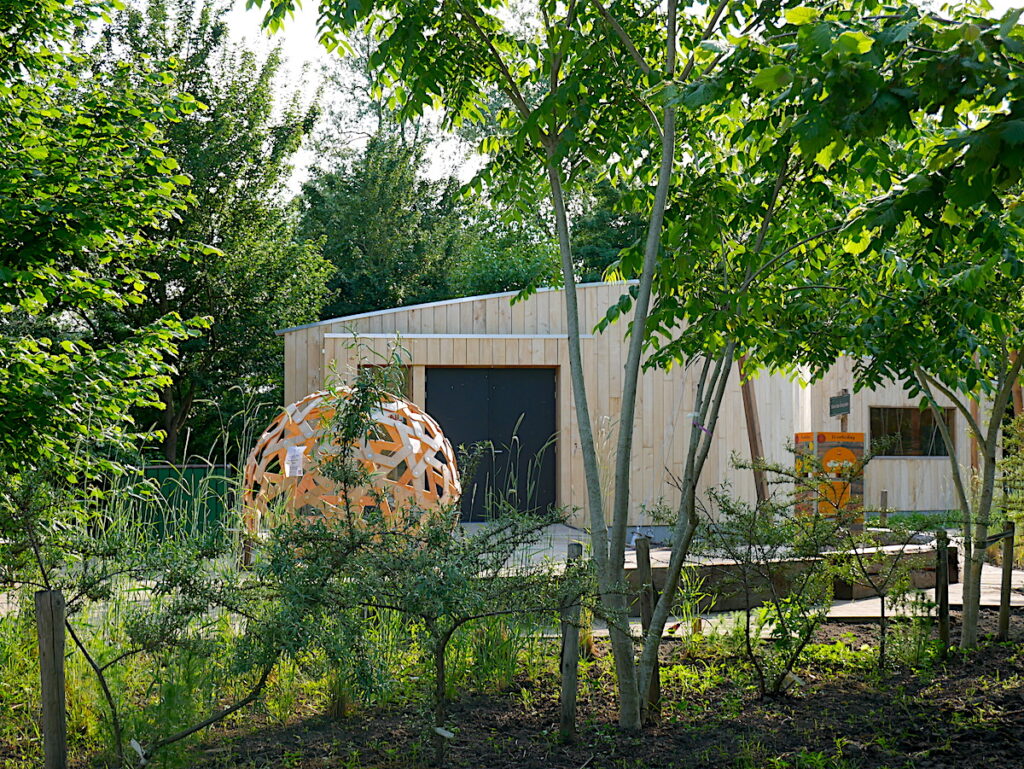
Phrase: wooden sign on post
x=839 y=406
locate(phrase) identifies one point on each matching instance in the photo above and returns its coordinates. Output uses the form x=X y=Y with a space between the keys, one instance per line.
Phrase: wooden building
x=485 y=368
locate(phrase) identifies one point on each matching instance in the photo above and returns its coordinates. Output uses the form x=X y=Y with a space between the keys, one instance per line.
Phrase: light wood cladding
x=489 y=331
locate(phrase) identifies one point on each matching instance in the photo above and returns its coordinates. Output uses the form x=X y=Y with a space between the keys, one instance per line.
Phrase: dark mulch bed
x=958 y=714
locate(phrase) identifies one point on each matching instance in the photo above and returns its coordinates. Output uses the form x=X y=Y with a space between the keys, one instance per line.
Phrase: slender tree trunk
x=1018 y=392
x=753 y=422
x=175 y=414
x=439 y=704
x=169 y=446
x=440 y=696
x=958 y=480
x=686 y=518
x=641 y=308
x=972 y=591
x=1010 y=372
x=974 y=541
x=883 y=634
x=631 y=374
x=613 y=593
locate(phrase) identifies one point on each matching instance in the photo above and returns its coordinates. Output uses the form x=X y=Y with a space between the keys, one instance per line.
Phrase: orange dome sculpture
x=412 y=464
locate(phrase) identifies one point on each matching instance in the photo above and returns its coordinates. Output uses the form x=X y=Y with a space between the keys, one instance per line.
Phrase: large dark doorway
x=514 y=409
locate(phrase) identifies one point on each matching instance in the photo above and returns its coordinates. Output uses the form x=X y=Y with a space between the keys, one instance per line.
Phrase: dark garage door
x=514 y=409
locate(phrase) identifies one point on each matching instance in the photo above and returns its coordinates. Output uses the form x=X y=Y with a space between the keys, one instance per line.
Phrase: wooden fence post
x=942 y=585
x=648 y=597
x=50 y=630
x=570 y=662
x=883 y=513
x=1004 y=588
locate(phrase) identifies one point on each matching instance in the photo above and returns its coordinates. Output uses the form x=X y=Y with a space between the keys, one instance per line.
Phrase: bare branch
x=511 y=89
x=623 y=36
x=220 y=714
x=708 y=29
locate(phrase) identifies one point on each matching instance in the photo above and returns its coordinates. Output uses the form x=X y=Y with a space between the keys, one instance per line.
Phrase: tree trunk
x=883 y=632
x=1009 y=372
x=627 y=414
x=440 y=698
x=753 y=423
x=570 y=659
x=175 y=414
x=611 y=592
x=972 y=591
x=686 y=517
x=651 y=710
x=1006 y=583
x=1017 y=392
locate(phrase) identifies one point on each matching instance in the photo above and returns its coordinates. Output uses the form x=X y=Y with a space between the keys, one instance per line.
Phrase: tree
x=858 y=105
x=244 y=267
x=500 y=252
x=936 y=267
x=83 y=179
x=390 y=235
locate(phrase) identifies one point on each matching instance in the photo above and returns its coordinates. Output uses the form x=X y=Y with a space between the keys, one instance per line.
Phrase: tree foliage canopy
x=84 y=178
x=244 y=268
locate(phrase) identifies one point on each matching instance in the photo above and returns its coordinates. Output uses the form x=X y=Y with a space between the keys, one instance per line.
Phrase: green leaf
x=1010 y=21
x=854 y=42
x=817 y=37
x=705 y=92
x=773 y=78
x=971 y=32
x=858 y=244
x=802 y=14
x=951 y=215
x=1013 y=132
x=831 y=153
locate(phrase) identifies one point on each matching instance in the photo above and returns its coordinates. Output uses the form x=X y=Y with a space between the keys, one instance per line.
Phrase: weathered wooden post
x=50 y=630
x=942 y=585
x=883 y=513
x=1004 y=588
x=648 y=598
x=570 y=662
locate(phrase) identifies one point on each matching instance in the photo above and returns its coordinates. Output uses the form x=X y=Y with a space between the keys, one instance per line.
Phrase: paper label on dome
x=293 y=461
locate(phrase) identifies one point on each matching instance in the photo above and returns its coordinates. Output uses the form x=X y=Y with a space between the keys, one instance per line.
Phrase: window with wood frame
x=910 y=432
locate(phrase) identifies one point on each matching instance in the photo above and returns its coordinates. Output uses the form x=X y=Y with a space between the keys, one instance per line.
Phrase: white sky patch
x=304 y=58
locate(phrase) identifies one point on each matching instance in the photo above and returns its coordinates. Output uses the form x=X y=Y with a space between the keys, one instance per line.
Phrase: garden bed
x=961 y=713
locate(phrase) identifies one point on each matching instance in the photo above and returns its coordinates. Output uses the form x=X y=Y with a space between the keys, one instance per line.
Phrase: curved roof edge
x=457 y=300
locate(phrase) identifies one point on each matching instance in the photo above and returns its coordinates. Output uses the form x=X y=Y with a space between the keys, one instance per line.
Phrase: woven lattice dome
x=411 y=462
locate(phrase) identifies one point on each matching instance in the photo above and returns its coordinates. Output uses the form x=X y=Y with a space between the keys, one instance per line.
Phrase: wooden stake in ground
x=648 y=597
x=753 y=430
x=570 y=662
x=50 y=630
x=1004 y=588
x=942 y=585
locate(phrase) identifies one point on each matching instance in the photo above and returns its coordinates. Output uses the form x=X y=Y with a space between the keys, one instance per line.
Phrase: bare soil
x=964 y=712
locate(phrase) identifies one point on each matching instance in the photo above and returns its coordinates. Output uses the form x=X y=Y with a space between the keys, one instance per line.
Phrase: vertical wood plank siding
x=664 y=404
